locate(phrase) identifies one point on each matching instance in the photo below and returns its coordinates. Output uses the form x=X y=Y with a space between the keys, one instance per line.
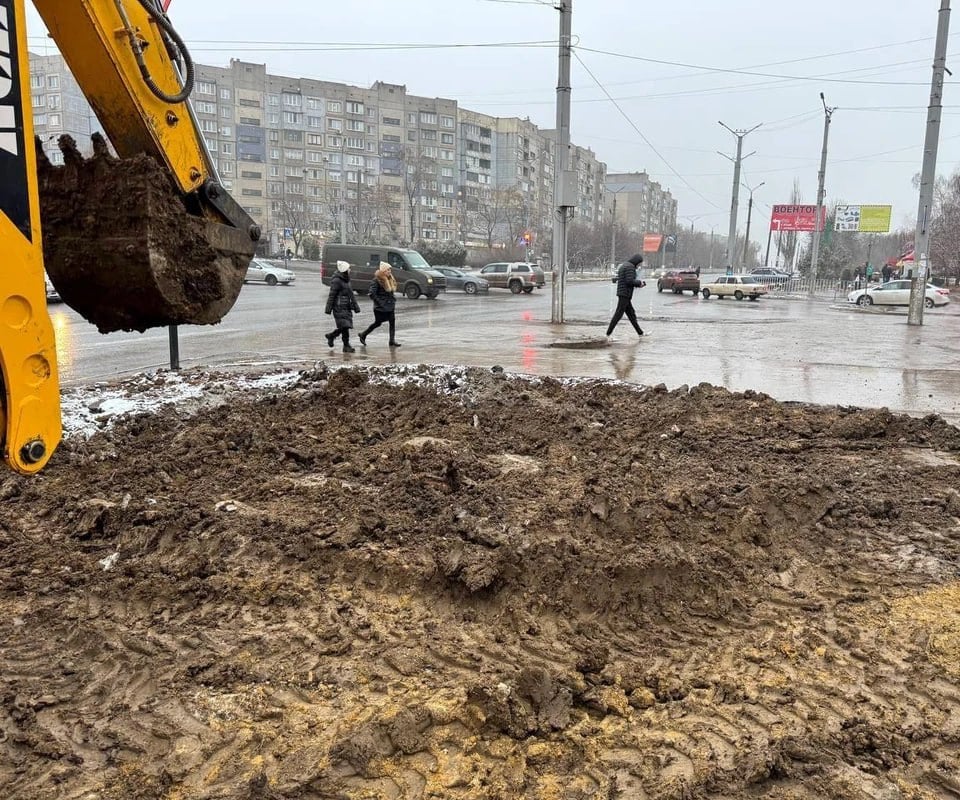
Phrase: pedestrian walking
x=382 y=291
x=627 y=281
x=886 y=272
x=342 y=303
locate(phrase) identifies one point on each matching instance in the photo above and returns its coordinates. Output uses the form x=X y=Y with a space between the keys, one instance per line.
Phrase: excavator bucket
x=124 y=249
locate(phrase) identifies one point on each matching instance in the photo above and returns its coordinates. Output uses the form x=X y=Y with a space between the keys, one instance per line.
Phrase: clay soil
x=504 y=589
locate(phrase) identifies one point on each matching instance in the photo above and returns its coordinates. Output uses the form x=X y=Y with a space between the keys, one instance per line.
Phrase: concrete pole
x=921 y=242
x=746 y=242
x=731 y=253
x=613 y=233
x=561 y=188
x=766 y=259
x=821 y=179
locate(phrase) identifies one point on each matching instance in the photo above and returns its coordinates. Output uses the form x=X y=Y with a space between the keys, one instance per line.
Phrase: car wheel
x=470 y=288
x=271 y=280
x=928 y=302
x=515 y=287
x=659 y=286
x=706 y=294
x=412 y=291
x=738 y=294
x=864 y=300
x=527 y=289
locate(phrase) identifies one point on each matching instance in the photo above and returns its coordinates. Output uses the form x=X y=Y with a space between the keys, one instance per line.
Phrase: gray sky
x=876 y=138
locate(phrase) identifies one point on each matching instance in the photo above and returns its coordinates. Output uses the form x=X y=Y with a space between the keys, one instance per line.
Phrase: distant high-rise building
x=59 y=107
x=643 y=206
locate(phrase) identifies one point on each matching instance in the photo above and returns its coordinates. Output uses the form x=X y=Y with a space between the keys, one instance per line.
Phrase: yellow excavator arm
x=143 y=239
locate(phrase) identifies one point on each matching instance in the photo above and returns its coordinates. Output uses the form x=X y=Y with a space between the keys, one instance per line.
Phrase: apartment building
x=313 y=157
x=59 y=107
x=642 y=205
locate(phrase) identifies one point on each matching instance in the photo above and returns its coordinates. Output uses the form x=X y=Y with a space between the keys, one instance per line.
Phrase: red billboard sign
x=796 y=218
x=652 y=242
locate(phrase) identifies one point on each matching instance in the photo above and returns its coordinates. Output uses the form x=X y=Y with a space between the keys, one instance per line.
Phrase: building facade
x=642 y=205
x=312 y=158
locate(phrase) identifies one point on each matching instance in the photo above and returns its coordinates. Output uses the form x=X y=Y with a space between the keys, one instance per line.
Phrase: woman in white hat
x=342 y=303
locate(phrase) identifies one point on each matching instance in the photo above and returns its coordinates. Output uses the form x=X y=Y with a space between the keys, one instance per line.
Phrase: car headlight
x=429 y=280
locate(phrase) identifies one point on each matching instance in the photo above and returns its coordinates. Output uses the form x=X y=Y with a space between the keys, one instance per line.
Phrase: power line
x=641 y=134
x=747 y=72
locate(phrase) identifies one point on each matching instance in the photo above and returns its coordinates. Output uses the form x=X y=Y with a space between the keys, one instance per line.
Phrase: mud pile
x=502 y=590
x=122 y=249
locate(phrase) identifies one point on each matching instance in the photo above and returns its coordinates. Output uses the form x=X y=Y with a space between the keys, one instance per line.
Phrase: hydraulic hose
x=157 y=15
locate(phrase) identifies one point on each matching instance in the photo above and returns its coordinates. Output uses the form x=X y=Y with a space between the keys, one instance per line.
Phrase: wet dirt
x=504 y=589
x=123 y=250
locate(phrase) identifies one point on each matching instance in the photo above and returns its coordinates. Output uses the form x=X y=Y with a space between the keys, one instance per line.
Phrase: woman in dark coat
x=342 y=303
x=383 y=289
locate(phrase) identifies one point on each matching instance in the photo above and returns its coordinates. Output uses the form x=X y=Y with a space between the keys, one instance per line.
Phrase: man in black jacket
x=627 y=281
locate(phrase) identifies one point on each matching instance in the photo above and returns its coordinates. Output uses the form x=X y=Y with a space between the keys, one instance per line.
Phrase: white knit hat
x=343 y=266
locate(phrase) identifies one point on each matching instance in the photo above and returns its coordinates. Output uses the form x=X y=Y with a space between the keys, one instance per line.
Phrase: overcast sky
x=881 y=91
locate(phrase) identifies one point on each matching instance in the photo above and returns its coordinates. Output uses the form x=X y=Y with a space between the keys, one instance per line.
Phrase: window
x=446 y=172
x=249 y=102
x=209 y=125
x=203 y=107
x=274 y=153
x=334 y=124
x=274 y=171
x=226 y=168
x=411 y=118
x=292 y=118
x=391 y=121
x=411 y=136
x=354 y=108
x=56 y=157
x=254 y=176
x=250 y=121
x=206 y=87
x=226 y=112
x=252 y=192
x=315 y=122
x=53 y=101
x=334 y=107
x=211 y=145
x=354 y=142
x=39 y=101
x=355 y=125
x=315 y=138
x=428 y=118
x=334 y=158
x=355 y=161
x=429 y=152
x=39 y=119
x=273 y=118
x=428 y=136
x=226 y=148
x=293 y=155
x=36 y=82
x=293 y=137
x=273 y=136
x=273 y=100
x=314 y=104
x=334 y=141
x=53 y=120
x=53 y=82
x=226 y=130
x=314 y=156
x=446 y=138
x=446 y=122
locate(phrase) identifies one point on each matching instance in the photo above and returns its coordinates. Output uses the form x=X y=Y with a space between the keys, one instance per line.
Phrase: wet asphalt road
x=791 y=349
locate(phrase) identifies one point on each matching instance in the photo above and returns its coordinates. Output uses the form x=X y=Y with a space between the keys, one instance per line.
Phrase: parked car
x=738 y=286
x=413 y=274
x=897 y=293
x=53 y=296
x=679 y=281
x=470 y=282
x=517 y=276
x=772 y=276
x=261 y=271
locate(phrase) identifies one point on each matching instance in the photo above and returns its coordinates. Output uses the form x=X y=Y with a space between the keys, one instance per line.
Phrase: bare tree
x=418 y=172
x=295 y=219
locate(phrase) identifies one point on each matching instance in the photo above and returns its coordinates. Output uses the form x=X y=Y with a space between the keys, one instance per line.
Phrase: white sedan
x=265 y=272
x=897 y=293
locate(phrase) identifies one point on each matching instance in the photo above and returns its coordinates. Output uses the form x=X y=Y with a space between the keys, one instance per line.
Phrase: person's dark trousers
x=379 y=317
x=343 y=333
x=624 y=306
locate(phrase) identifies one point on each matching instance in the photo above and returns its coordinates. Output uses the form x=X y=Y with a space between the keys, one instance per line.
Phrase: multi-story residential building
x=642 y=205
x=59 y=107
x=311 y=157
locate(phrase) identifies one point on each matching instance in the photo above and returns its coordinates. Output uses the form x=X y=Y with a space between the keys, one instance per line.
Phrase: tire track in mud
x=312 y=611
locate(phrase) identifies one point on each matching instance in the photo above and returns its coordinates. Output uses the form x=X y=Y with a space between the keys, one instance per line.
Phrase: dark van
x=413 y=274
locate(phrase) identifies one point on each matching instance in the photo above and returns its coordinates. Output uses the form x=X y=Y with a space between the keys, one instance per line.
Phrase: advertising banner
x=863 y=219
x=652 y=242
x=796 y=218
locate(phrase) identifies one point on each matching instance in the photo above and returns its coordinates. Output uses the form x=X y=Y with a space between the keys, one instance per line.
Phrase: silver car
x=470 y=282
x=270 y=274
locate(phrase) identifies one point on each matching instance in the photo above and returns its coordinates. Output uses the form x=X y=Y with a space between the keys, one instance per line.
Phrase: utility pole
x=565 y=186
x=766 y=260
x=712 y=232
x=343 y=194
x=613 y=232
x=819 y=221
x=921 y=242
x=746 y=242
x=730 y=255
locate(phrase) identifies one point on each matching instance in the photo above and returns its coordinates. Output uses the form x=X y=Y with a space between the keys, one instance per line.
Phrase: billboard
x=863 y=219
x=652 y=242
x=796 y=218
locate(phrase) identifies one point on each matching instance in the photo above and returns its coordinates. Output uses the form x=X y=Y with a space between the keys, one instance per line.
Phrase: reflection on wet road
x=790 y=349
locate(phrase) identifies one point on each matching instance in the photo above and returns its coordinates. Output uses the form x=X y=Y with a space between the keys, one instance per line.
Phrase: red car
x=679 y=281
